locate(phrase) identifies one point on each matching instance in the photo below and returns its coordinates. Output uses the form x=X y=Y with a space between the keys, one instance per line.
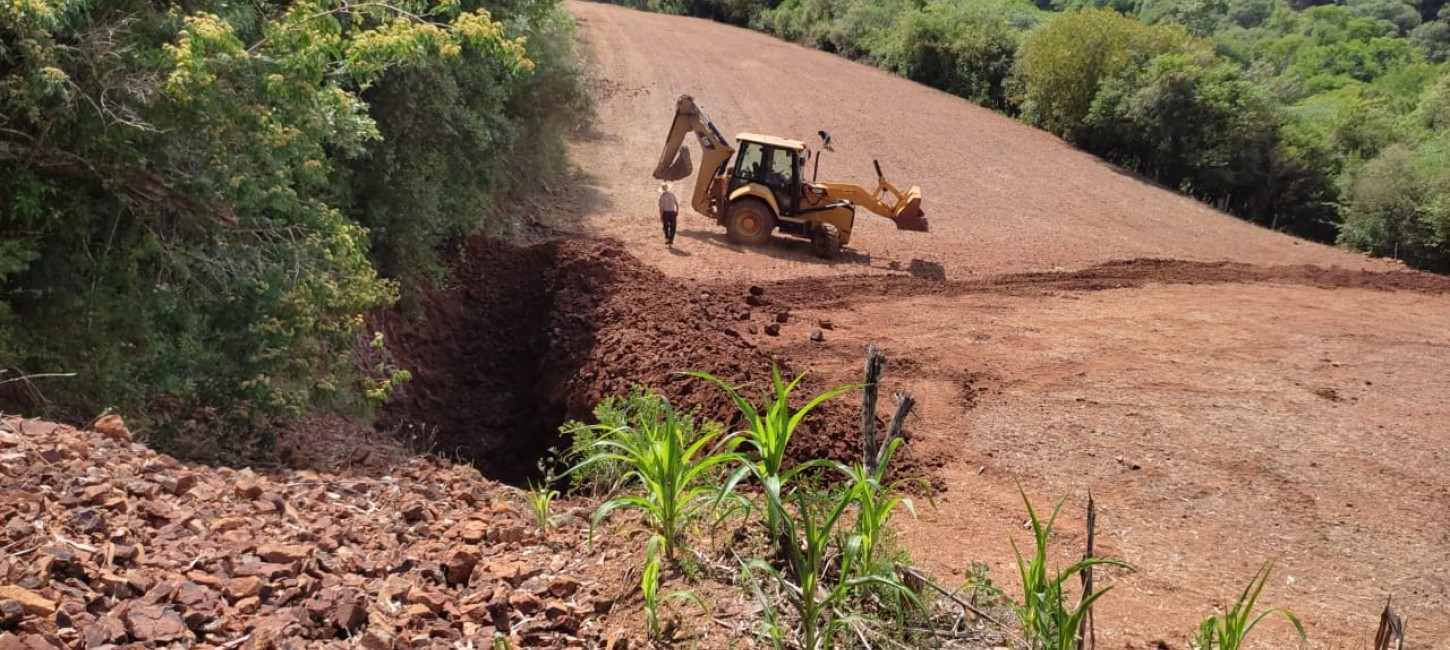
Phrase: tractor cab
x=776 y=163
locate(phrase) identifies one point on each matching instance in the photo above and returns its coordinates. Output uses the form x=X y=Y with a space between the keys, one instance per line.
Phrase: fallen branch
x=965 y=605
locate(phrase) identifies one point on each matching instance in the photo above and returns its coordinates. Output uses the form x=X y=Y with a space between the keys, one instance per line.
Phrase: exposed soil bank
x=529 y=337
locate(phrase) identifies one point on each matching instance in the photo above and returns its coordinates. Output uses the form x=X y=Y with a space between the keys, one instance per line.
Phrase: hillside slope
x=1001 y=196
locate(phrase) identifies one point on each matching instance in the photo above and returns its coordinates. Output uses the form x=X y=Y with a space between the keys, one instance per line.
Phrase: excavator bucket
x=678 y=169
x=908 y=213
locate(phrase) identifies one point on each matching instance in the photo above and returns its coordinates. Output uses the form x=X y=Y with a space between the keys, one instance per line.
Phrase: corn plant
x=613 y=414
x=823 y=562
x=874 y=503
x=1046 y=620
x=671 y=469
x=649 y=587
x=540 y=497
x=770 y=431
x=1229 y=631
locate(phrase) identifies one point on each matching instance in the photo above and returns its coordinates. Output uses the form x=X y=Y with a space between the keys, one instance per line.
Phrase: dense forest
x=201 y=199
x=1328 y=121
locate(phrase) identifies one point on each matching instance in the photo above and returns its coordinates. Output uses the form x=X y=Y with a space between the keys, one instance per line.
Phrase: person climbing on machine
x=669 y=211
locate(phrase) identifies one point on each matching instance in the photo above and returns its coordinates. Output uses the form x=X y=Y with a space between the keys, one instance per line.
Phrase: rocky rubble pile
x=109 y=544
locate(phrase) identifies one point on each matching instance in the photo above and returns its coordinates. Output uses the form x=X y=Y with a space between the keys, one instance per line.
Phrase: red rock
x=348 y=616
x=283 y=553
x=205 y=579
x=229 y=523
x=248 y=605
x=430 y=599
x=376 y=640
x=123 y=553
x=115 y=586
x=33 y=603
x=265 y=570
x=11 y=611
x=563 y=586
x=512 y=571
x=108 y=629
x=242 y=587
x=524 y=602
x=472 y=531
x=156 y=624
x=459 y=566
x=113 y=427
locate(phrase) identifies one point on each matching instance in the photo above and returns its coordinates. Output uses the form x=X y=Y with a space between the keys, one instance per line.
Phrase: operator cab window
x=747 y=164
x=780 y=177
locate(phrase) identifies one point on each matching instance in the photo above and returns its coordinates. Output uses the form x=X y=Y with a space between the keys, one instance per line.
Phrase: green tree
x=167 y=184
x=965 y=47
x=1190 y=121
x=1062 y=64
x=1399 y=206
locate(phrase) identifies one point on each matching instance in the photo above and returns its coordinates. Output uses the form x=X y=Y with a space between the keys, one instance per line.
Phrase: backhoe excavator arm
x=904 y=208
x=715 y=152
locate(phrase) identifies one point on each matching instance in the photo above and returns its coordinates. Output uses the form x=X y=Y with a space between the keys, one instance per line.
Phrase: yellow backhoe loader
x=764 y=187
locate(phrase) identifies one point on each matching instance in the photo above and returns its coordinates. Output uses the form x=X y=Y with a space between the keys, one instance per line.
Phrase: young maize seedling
x=1229 y=631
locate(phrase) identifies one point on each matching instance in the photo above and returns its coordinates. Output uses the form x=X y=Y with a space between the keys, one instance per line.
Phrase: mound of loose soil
x=1120 y=274
x=530 y=337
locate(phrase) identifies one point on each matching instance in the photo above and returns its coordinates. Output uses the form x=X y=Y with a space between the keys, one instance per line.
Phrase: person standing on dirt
x=669 y=210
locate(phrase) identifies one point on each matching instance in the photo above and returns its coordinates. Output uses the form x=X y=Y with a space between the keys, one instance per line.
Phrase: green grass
x=1228 y=632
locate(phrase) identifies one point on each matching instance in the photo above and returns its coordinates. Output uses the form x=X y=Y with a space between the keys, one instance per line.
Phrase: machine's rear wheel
x=826 y=240
x=749 y=222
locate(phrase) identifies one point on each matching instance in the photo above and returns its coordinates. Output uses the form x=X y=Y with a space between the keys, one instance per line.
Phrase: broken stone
x=773 y=329
x=817 y=335
x=754 y=300
x=33 y=603
x=112 y=427
x=243 y=587
x=782 y=317
x=283 y=553
x=348 y=616
x=458 y=568
x=156 y=624
x=108 y=629
x=376 y=640
x=472 y=531
x=115 y=586
x=524 y=602
x=826 y=325
x=563 y=586
x=87 y=521
x=757 y=291
x=11 y=611
x=415 y=512
x=123 y=553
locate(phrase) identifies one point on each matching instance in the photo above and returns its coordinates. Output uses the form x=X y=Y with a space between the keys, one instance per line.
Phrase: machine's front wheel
x=826 y=240
x=749 y=222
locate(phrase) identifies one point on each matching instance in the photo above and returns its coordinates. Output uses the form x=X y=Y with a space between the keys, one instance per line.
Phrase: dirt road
x=1220 y=419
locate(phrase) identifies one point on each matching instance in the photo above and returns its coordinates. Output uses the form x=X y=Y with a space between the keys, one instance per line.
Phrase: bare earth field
x=1220 y=419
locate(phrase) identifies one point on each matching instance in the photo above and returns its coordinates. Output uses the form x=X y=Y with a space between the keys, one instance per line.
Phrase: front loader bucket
x=678 y=169
x=908 y=213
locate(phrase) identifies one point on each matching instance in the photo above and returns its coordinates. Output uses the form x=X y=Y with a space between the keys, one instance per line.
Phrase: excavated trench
x=528 y=337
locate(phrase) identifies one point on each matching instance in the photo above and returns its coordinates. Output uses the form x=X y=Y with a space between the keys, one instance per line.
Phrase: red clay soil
x=532 y=336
